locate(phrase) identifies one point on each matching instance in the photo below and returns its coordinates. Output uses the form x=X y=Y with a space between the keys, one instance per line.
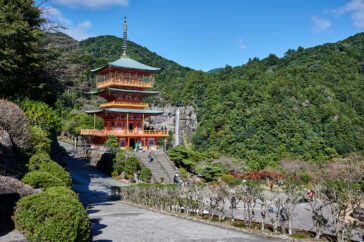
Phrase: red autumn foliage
x=258 y=175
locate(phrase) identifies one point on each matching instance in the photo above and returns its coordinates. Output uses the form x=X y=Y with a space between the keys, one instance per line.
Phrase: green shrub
x=131 y=165
x=41 y=179
x=37 y=159
x=42 y=115
x=189 y=165
x=145 y=174
x=39 y=140
x=227 y=178
x=183 y=172
x=209 y=173
x=55 y=215
x=61 y=191
x=305 y=178
x=234 y=182
x=112 y=143
x=57 y=171
x=118 y=162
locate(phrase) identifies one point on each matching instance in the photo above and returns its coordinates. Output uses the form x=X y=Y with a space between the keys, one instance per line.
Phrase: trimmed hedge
x=41 y=179
x=61 y=191
x=54 y=215
x=57 y=171
x=37 y=159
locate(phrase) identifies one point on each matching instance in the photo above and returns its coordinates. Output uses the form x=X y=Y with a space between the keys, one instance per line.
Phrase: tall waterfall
x=176 y=139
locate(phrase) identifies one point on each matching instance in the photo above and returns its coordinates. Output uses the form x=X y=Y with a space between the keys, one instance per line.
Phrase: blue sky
x=205 y=34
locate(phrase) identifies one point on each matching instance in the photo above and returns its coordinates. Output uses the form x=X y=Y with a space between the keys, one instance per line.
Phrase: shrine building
x=123 y=84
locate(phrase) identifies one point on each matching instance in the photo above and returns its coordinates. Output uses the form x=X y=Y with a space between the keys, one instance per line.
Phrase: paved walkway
x=117 y=221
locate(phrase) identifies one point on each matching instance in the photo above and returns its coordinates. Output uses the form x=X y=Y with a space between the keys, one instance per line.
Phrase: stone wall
x=97 y=158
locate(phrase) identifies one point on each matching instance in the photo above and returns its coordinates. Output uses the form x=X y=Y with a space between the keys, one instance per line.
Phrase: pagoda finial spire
x=124 y=39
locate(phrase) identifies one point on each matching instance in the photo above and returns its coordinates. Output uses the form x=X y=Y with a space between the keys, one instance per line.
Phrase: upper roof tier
x=126 y=63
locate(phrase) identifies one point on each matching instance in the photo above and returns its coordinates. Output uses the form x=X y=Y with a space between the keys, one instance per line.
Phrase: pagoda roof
x=130 y=64
x=110 y=89
x=126 y=110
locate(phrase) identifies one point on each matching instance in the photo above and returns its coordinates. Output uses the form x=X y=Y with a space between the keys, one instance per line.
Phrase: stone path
x=117 y=221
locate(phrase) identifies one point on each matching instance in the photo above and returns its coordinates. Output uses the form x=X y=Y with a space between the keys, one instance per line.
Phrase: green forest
x=306 y=105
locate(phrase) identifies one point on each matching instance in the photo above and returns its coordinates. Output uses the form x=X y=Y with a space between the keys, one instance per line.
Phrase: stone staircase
x=160 y=167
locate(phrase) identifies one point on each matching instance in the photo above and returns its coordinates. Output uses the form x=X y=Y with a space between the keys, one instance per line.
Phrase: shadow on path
x=92 y=185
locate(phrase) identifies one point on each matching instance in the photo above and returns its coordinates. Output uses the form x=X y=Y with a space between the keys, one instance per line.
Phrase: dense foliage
x=41 y=179
x=54 y=215
x=145 y=174
x=21 y=53
x=306 y=105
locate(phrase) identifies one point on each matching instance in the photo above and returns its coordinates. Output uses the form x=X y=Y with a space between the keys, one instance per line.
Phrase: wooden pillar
x=128 y=143
x=94 y=121
x=145 y=143
x=127 y=123
x=155 y=143
x=143 y=123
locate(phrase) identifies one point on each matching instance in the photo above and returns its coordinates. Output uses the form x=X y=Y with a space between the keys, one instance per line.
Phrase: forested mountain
x=306 y=105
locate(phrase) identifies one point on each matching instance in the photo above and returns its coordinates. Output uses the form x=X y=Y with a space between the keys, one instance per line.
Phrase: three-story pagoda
x=123 y=84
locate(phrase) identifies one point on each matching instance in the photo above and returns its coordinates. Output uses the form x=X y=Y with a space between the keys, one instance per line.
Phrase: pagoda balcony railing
x=125 y=80
x=124 y=104
x=132 y=133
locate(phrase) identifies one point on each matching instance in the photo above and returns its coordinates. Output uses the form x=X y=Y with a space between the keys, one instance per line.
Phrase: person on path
x=233 y=202
x=271 y=185
x=150 y=159
x=176 y=179
x=137 y=147
x=271 y=209
x=309 y=194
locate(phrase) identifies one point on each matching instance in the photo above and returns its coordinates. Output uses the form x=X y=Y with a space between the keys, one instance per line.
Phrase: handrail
x=103 y=132
x=125 y=82
x=131 y=104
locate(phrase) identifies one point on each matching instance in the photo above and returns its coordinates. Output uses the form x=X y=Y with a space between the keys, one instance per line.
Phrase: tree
x=21 y=57
x=112 y=143
x=41 y=114
x=341 y=199
x=292 y=197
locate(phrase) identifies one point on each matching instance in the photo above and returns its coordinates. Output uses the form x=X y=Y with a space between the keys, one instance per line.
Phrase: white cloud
x=355 y=8
x=79 y=32
x=320 y=25
x=56 y=15
x=241 y=44
x=93 y=4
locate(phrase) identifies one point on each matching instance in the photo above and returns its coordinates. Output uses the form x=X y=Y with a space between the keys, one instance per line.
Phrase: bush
x=58 y=171
x=209 y=173
x=131 y=165
x=55 y=215
x=42 y=115
x=39 y=140
x=37 y=159
x=145 y=174
x=112 y=143
x=61 y=191
x=227 y=178
x=305 y=178
x=234 y=182
x=41 y=179
x=183 y=172
x=118 y=162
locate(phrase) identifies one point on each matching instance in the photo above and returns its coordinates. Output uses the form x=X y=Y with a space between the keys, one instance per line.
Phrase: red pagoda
x=124 y=83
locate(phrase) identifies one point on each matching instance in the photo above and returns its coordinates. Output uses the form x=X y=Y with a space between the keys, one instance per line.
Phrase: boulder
x=7 y=158
x=358 y=213
x=11 y=190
